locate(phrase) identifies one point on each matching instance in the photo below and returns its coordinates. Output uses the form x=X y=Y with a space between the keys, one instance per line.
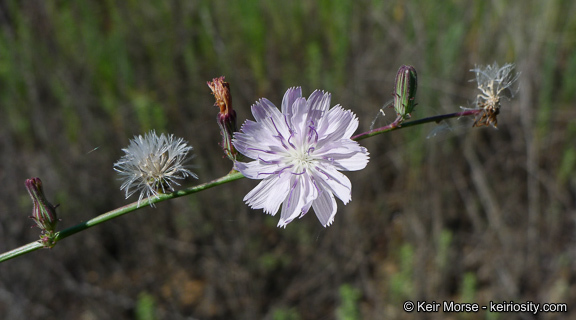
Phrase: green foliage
x=443 y=249
x=493 y=316
x=348 y=308
x=548 y=93
x=336 y=17
x=401 y=283
x=567 y=165
x=286 y=314
x=468 y=288
x=145 y=307
x=314 y=64
x=149 y=113
x=272 y=261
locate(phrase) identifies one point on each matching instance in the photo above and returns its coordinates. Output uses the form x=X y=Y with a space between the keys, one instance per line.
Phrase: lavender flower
x=152 y=164
x=297 y=154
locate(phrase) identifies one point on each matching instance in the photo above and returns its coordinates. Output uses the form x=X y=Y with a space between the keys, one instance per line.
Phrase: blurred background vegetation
x=470 y=215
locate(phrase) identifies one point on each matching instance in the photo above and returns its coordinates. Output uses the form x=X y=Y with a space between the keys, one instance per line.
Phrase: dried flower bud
x=494 y=82
x=43 y=213
x=227 y=116
x=405 y=91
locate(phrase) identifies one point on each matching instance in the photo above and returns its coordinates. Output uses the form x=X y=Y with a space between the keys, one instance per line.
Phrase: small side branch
x=396 y=125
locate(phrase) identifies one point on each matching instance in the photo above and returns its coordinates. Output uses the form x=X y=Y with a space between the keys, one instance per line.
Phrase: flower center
x=301 y=159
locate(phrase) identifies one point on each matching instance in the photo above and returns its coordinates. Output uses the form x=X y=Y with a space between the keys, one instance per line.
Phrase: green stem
x=232 y=176
x=397 y=125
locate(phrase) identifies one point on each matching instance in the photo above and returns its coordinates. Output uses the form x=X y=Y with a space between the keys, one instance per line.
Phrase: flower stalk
x=395 y=125
x=232 y=176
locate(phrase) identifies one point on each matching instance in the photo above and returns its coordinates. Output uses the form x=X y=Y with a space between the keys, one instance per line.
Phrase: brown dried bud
x=227 y=117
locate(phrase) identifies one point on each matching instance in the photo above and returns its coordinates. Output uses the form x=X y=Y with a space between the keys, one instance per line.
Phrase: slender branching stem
x=399 y=125
x=232 y=176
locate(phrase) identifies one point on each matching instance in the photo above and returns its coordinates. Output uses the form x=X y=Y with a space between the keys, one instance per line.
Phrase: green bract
x=405 y=91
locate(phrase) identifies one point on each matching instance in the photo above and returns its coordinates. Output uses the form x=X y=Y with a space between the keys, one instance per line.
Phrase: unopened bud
x=405 y=91
x=227 y=116
x=43 y=212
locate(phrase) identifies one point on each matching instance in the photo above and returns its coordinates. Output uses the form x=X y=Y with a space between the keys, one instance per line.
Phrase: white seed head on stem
x=153 y=164
x=494 y=82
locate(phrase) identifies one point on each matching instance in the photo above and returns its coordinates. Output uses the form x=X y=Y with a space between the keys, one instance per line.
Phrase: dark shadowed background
x=469 y=215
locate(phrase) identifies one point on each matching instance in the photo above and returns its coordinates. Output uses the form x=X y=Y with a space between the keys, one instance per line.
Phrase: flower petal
x=325 y=207
x=269 y=116
x=298 y=122
x=338 y=124
x=269 y=194
x=289 y=97
x=318 y=105
x=250 y=170
x=302 y=193
x=264 y=109
x=335 y=181
x=259 y=169
x=347 y=155
x=265 y=147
